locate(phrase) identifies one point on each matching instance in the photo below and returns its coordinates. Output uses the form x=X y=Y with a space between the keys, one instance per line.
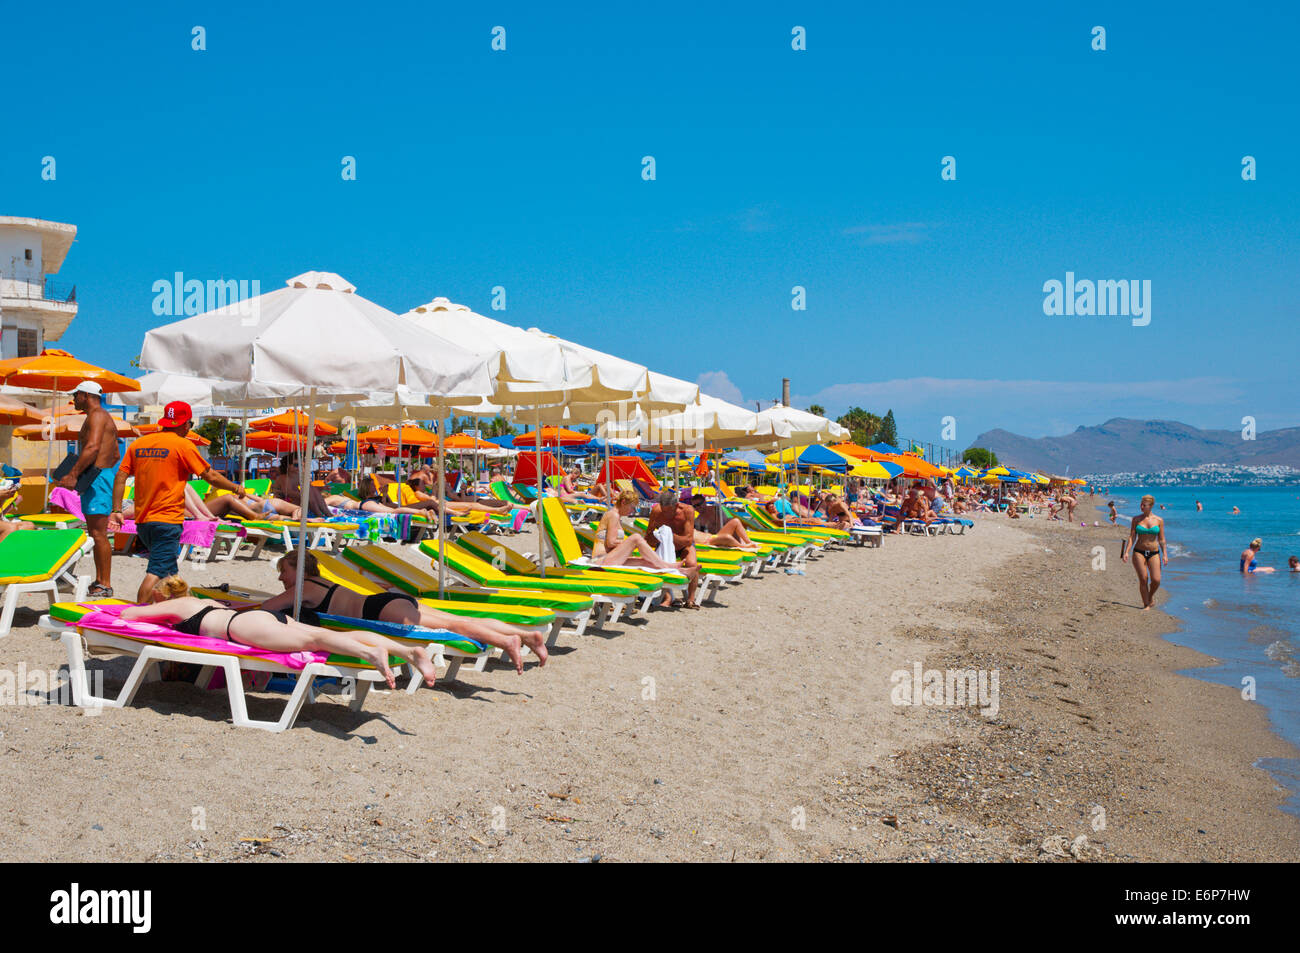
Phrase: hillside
x=1142 y=445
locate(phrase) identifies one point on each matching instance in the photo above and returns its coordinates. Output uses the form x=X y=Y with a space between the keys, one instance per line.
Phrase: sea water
x=1246 y=621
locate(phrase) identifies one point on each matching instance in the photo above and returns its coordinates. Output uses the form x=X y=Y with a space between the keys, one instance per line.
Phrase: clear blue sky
x=775 y=168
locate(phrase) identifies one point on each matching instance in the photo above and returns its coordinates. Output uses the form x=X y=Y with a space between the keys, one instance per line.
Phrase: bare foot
x=379 y=659
x=512 y=650
x=421 y=659
x=536 y=643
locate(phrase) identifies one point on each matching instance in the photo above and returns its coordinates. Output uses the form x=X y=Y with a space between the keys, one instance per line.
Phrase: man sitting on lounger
x=838 y=512
x=915 y=508
x=680 y=520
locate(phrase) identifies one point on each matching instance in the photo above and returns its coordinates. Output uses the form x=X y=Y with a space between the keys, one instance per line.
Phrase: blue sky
x=775 y=168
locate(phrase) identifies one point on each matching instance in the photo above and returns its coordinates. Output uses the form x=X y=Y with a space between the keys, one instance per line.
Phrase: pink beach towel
x=108 y=619
x=193 y=532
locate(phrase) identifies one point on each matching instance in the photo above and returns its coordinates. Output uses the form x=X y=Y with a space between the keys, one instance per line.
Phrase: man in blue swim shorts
x=92 y=477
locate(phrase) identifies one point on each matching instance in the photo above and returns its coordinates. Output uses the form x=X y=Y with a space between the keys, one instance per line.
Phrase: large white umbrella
x=800 y=427
x=314 y=339
x=315 y=334
x=536 y=371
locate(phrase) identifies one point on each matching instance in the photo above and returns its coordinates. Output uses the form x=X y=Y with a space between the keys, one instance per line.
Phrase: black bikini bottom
x=374 y=605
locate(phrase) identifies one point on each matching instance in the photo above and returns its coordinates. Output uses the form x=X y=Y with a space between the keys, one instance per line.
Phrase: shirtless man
x=680 y=519
x=92 y=477
x=838 y=512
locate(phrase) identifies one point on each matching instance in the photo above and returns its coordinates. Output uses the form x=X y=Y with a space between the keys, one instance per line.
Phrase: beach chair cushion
x=28 y=555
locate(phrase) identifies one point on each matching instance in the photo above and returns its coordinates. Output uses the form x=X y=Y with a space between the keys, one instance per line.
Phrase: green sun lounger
x=476 y=570
x=37 y=560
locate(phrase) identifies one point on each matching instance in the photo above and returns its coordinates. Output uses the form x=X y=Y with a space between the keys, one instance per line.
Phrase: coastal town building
x=35 y=307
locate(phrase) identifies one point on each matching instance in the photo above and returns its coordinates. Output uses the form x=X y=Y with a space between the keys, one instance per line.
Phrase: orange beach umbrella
x=291 y=422
x=57 y=370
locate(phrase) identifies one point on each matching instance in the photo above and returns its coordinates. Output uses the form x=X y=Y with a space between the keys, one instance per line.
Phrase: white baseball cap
x=88 y=387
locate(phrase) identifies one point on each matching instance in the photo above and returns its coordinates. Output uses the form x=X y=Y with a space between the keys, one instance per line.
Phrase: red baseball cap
x=176 y=414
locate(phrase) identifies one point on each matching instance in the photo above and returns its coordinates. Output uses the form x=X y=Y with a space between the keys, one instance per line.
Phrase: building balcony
x=41 y=289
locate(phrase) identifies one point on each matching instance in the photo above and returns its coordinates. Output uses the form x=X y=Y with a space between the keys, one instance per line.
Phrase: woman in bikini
x=615 y=548
x=731 y=535
x=271 y=630
x=1248 y=564
x=1146 y=541
x=319 y=596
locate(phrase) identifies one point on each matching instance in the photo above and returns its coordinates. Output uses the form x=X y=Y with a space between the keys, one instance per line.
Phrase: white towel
x=667 y=551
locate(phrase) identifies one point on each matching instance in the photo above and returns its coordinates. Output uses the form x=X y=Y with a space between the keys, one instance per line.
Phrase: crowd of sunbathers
x=678 y=523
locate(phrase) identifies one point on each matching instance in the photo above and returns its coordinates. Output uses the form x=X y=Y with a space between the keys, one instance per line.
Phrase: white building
x=34 y=310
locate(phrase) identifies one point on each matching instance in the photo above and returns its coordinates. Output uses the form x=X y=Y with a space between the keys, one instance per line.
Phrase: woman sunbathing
x=319 y=595
x=730 y=535
x=271 y=630
x=615 y=548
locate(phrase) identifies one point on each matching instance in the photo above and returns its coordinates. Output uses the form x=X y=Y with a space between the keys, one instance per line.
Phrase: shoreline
x=760 y=730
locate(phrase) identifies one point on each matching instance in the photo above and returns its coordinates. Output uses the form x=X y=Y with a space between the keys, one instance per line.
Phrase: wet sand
x=760 y=729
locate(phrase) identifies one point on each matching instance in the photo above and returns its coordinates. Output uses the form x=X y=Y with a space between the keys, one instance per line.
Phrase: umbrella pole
x=49 y=445
x=303 y=500
x=442 y=516
x=541 y=536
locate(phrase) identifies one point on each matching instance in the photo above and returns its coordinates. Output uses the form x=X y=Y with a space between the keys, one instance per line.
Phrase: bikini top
x=322 y=605
x=1149 y=530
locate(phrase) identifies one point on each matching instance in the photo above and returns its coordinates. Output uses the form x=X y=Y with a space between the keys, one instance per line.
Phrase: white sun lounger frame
x=80 y=641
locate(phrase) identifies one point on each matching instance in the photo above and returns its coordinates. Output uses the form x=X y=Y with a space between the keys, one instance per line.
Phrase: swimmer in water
x=1236 y=511
x=1198 y=506
x=1248 y=558
x=1294 y=563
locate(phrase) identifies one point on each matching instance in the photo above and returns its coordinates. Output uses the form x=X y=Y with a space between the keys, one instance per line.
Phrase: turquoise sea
x=1248 y=622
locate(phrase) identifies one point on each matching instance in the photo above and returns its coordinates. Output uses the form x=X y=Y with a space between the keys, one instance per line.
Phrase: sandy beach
x=759 y=729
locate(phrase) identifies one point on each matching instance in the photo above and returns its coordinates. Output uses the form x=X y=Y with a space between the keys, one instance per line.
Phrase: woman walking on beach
x=1146 y=541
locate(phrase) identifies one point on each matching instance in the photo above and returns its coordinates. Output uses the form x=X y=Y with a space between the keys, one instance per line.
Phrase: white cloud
x=718 y=384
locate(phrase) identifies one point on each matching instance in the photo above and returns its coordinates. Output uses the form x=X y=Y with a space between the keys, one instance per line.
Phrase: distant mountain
x=1142 y=445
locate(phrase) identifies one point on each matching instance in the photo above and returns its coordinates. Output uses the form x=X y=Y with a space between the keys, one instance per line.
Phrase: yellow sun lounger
x=568 y=553
x=391 y=570
x=473 y=569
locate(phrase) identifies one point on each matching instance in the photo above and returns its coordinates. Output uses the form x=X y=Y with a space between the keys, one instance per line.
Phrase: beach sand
x=762 y=730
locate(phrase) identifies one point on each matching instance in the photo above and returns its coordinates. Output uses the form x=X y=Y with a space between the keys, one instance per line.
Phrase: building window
x=29 y=342
x=28 y=256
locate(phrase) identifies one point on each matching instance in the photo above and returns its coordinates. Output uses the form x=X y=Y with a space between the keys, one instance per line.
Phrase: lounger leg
x=239 y=709
x=615 y=610
x=362 y=690
x=579 y=621
x=644 y=608
x=453 y=666
x=555 y=632
x=11 y=604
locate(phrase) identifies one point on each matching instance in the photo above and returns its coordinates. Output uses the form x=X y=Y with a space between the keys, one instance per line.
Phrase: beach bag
x=666 y=550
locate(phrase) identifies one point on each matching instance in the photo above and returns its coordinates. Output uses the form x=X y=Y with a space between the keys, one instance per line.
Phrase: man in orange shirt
x=162 y=463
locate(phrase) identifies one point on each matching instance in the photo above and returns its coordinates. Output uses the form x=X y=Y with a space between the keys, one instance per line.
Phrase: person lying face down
x=274 y=631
